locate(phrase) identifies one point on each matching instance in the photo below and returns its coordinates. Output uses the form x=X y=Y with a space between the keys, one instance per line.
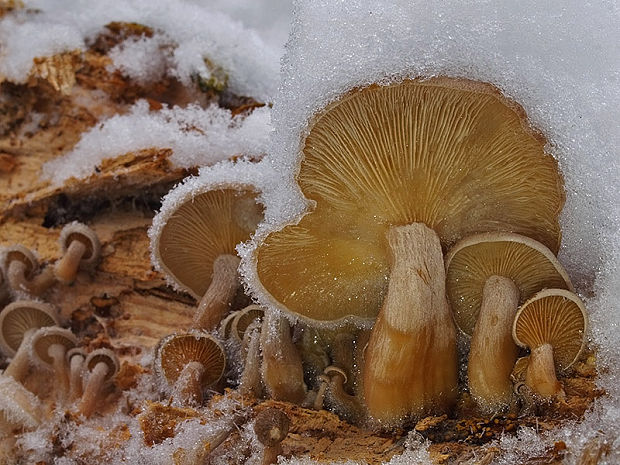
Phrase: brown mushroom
x=487 y=277
x=243 y=319
x=80 y=249
x=271 y=428
x=392 y=173
x=250 y=382
x=18 y=322
x=347 y=406
x=21 y=268
x=193 y=242
x=189 y=363
x=102 y=365
x=552 y=324
x=49 y=347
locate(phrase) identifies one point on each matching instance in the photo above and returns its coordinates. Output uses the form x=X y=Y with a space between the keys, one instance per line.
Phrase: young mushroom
x=193 y=240
x=49 y=348
x=392 y=174
x=189 y=363
x=347 y=406
x=80 y=249
x=21 y=269
x=250 y=382
x=243 y=319
x=102 y=365
x=552 y=325
x=487 y=277
x=18 y=323
x=271 y=427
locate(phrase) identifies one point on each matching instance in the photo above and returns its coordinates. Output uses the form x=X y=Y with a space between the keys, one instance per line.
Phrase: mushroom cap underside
x=76 y=231
x=202 y=228
x=177 y=350
x=452 y=154
x=106 y=356
x=20 y=253
x=528 y=263
x=20 y=316
x=556 y=317
x=44 y=338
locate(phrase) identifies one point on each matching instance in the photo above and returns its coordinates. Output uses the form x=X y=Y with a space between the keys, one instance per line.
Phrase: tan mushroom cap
x=202 y=228
x=48 y=336
x=528 y=263
x=453 y=154
x=177 y=350
x=106 y=356
x=556 y=317
x=20 y=316
x=80 y=232
x=20 y=253
x=244 y=318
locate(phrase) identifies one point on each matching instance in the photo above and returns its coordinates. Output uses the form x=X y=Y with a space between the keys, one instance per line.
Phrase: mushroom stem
x=250 y=383
x=18 y=367
x=493 y=352
x=16 y=276
x=92 y=389
x=347 y=406
x=411 y=359
x=320 y=395
x=66 y=268
x=57 y=353
x=75 y=376
x=187 y=387
x=217 y=299
x=540 y=373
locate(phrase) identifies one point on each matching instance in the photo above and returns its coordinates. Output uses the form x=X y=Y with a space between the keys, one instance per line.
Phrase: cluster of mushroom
x=30 y=337
x=22 y=275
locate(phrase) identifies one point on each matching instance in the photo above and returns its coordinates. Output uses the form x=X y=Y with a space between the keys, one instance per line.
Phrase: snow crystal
x=143 y=59
x=49 y=27
x=197 y=136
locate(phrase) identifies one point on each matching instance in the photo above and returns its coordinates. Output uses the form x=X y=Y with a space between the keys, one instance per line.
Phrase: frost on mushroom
x=393 y=175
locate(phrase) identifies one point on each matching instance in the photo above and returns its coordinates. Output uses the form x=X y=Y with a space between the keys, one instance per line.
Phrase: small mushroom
x=80 y=249
x=552 y=324
x=18 y=323
x=193 y=242
x=49 y=347
x=245 y=318
x=102 y=365
x=487 y=276
x=271 y=427
x=347 y=406
x=189 y=363
x=250 y=382
x=76 y=357
x=21 y=268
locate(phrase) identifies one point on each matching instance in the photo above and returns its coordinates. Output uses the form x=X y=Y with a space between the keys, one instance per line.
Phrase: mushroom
x=552 y=325
x=21 y=268
x=391 y=174
x=250 y=382
x=243 y=319
x=18 y=322
x=18 y=406
x=282 y=370
x=193 y=242
x=76 y=357
x=49 y=347
x=189 y=363
x=347 y=406
x=271 y=427
x=102 y=365
x=80 y=249
x=487 y=277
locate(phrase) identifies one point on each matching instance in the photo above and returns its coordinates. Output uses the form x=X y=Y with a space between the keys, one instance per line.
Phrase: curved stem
x=75 y=376
x=540 y=374
x=93 y=388
x=188 y=388
x=66 y=268
x=250 y=383
x=57 y=352
x=347 y=406
x=493 y=352
x=18 y=367
x=411 y=360
x=215 y=302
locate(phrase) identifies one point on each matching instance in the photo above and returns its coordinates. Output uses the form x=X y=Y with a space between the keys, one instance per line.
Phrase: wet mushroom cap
x=453 y=154
x=528 y=263
x=20 y=316
x=202 y=228
x=44 y=338
x=80 y=232
x=177 y=350
x=556 y=317
x=103 y=356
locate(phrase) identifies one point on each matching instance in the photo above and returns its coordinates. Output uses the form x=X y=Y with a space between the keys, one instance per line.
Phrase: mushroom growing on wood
x=193 y=241
x=391 y=175
x=488 y=276
x=18 y=322
x=271 y=427
x=189 y=363
x=21 y=269
x=552 y=324
x=49 y=348
x=80 y=249
x=102 y=365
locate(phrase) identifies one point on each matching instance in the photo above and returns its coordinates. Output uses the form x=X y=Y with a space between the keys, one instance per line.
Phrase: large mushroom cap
x=556 y=317
x=45 y=337
x=528 y=263
x=174 y=352
x=453 y=154
x=20 y=316
x=199 y=229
